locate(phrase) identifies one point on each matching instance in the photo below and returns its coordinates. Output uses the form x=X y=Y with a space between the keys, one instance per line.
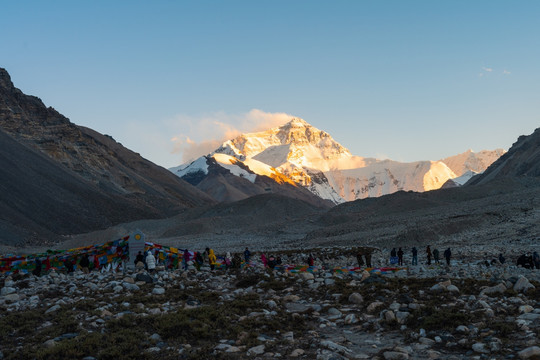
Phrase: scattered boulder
x=356 y=298
x=523 y=284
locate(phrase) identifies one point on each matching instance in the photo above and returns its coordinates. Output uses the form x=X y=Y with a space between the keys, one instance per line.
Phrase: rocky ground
x=466 y=311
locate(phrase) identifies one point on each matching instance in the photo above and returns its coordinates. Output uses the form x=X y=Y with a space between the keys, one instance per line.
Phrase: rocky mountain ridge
x=102 y=183
x=310 y=158
x=522 y=160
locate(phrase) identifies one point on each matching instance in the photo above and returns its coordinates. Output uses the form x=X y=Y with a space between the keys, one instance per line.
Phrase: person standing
x=393 y=256
x=138 y=259
x=400 y=257
x=271 y=262
x=414 y=256
x=447 y=255
x=360 y=259
x=85 y=263
x=37 y=269
x=428 y=253
x=198 y=260
x=311 y=260
x=436 y=256
x=247 y=255
x=368 y=259
x=212 y=259
x=536 y=260
x=205 y=256
x=150 y=261
x=185 y=259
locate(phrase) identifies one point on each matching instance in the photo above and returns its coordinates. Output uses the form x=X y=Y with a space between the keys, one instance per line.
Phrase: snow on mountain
x=461 y=180
x=199 y=165
x=476 y=162
x=301 y=154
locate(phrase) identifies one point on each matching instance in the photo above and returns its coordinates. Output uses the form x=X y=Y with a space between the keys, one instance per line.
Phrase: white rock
x=297 y=353
x=6 y=290
x=306 y=276
x=373 y=306
x=498 y=289
x=395 y=355
x=335 y=347
x=350 y=319
x=401 y=316
x=154 y=311
x=53 y=309
x=523 y=284
x=426 y=341
x=530 y=352
x=390 y=316
x=256 y=350
x=158 y=291
x=523 y=309
x=12 y=297
x=462 y=329
x=480 y=348
x=49 y=343
x=222 y=347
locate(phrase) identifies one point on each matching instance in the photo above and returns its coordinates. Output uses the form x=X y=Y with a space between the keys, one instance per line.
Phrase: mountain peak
x=297 y=122
x=5 y=79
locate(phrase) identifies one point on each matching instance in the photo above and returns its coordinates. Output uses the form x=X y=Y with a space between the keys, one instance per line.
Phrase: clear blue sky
x=407 y=80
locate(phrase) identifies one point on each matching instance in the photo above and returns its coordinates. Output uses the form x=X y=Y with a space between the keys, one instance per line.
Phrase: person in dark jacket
x=502 y=260
x=428 y=253
x=85 y=264
x=198 y=260
x=360 y=259
x=414 y=256
x=447 y=255
x=368 y=259
x=525 y=261
x=536 y=260
x=393 y=256
x=400 y=257
x=139 y=258
x=271 y=262
x=247 y=255
x=436 y=256
x=68 y=264
x=37 y=270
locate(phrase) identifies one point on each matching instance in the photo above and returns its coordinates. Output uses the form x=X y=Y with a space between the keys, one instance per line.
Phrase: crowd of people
x=528 y=260
x=396 y=256
x=149 y=260
x=208 y=256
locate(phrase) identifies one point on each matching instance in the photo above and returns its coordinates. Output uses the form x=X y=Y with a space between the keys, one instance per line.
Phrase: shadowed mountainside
x=522 y=160
x=60 y=178
x=223 y=186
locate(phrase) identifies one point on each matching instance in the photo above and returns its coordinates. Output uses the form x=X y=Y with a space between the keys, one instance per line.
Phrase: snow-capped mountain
x=301 y=154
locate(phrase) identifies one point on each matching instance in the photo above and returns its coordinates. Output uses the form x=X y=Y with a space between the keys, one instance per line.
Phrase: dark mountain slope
x=223 y=186
x=60 y=178
x=522 y=160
